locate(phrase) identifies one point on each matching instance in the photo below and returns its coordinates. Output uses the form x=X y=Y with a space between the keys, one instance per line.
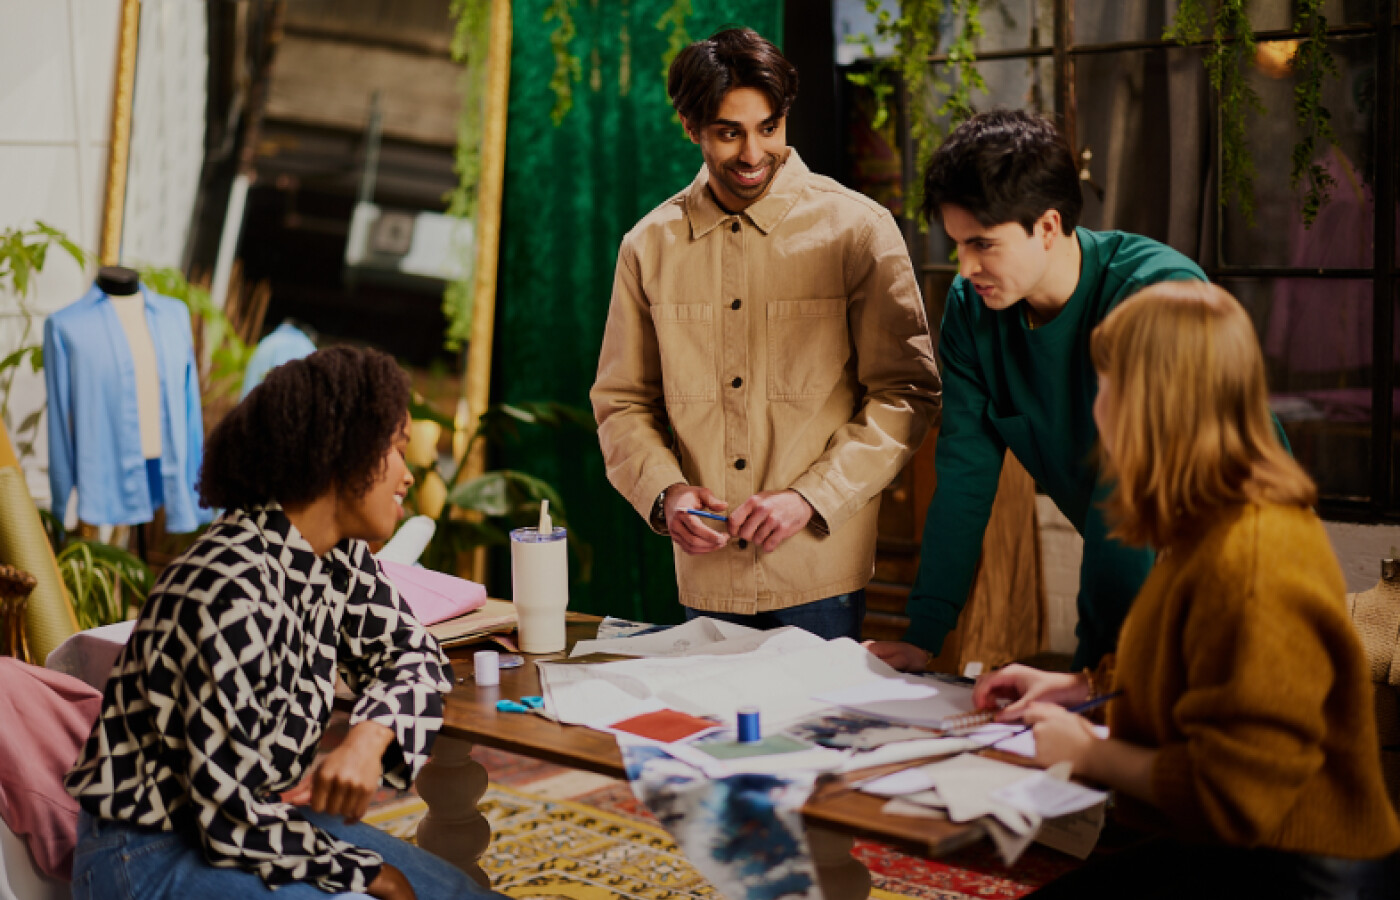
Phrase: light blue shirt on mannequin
x=94 y=426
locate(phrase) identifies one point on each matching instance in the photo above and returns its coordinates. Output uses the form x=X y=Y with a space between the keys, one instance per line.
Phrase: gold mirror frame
x=119 y=147
x=477 y=383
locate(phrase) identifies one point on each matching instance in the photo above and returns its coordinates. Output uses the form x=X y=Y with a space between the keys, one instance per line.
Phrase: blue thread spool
x=749 y=732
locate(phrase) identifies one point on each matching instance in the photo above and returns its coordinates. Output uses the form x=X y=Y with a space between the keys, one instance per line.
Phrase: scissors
x=525 y=705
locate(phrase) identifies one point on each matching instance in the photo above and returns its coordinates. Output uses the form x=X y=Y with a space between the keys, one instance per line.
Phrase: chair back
x=1376 y=614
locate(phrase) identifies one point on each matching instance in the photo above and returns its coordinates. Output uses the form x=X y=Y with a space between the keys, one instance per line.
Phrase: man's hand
x=898 y=655
x=345 y=781
x=691 y=533
x=1020 y=686
x=769 y=518
x=390 y=884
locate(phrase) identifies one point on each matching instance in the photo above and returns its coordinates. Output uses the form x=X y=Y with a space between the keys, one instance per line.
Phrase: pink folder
x=434 y=596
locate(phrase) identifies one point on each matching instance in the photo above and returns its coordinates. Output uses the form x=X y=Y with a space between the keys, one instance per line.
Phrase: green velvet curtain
x=571 y=191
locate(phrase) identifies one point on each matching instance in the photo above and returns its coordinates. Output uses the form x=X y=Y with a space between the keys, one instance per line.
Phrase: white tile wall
x=57 y=70
x=36 y=72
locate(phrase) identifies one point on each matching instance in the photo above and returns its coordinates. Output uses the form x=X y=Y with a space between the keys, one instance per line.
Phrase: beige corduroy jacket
x=783 y=347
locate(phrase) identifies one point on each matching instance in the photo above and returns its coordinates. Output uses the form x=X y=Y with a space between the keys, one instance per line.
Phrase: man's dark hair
x=704 y=72
x=1003 y=166
x=315 y=424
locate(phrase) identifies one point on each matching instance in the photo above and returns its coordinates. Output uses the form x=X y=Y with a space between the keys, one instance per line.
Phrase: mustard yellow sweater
x=1240 y=664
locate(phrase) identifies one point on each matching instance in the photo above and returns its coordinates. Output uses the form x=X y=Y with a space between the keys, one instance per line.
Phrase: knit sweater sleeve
x=968 y=459
x=1258 y=673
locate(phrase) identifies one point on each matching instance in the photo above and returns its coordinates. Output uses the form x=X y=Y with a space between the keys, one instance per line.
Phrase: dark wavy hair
x=314 y=425
x=704 y=72
x=1007 y=165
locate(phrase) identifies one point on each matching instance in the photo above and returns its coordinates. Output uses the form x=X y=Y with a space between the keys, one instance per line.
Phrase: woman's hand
x=898 y=655
x=390 y=884
x=1060 y=735
x=1020 y=686
x=345 y=781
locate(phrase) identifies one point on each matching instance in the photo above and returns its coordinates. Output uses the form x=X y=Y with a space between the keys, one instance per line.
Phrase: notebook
x=433 y=596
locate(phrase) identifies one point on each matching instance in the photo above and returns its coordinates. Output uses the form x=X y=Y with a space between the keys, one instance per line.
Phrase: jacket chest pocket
x=685 y=335
x=808 y=347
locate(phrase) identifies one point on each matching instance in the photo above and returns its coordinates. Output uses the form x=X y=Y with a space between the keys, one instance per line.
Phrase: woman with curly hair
x=1244 y=739
x=217 y=704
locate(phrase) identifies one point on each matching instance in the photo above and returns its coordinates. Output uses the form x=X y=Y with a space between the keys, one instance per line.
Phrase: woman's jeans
x=121 y=862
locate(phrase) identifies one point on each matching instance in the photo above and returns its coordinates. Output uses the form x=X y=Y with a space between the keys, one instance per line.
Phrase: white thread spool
x=487 y=667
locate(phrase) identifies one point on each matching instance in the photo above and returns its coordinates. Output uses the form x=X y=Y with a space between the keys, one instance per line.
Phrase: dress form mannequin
x=123 y=287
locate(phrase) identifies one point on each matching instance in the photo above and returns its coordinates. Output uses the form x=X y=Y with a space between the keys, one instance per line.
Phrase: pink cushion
x=47 y=716
x=434 y=596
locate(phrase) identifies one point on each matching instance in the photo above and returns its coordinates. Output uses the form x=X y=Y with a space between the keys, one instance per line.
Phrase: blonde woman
x=1244 y=740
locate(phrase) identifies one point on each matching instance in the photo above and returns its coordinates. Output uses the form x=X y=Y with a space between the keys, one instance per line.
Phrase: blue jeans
x=834 y=617
x=121 y=862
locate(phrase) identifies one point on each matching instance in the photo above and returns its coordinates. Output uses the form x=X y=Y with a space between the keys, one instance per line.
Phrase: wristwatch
x=658 y=512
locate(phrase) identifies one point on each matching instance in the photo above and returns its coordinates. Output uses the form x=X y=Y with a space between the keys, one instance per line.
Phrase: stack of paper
x=495 y=617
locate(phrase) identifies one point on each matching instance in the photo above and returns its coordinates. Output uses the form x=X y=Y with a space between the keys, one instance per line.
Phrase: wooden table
x=452 y=783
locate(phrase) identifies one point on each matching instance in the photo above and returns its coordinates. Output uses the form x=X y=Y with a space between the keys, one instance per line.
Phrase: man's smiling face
x=743 y=147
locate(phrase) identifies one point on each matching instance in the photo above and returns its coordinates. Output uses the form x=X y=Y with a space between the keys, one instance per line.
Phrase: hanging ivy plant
x=1313 y=62
x=916 y=32
x=567 y=67
x=1230 y=52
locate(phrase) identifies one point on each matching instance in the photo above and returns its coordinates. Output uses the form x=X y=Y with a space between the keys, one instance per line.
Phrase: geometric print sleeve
x=218 y=704
x=394 y=666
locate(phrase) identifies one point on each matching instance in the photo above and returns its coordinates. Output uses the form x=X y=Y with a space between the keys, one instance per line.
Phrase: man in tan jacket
x=766 y=358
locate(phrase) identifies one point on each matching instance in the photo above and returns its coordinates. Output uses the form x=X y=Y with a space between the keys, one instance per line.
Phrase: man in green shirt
x=1031 y=286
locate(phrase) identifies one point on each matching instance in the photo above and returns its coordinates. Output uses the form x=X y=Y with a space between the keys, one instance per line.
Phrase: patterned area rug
x=568 y=834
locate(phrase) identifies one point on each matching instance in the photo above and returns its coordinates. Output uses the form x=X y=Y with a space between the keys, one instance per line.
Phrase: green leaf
x=487 y=494
x=419 y=410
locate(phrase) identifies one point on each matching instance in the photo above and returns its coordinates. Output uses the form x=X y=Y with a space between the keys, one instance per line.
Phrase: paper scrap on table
x=908 y=699
x=853 y=730
x=907 y=750
x=1006 y=738
x=697 y=635
x=776 y=743
x=665 y=726
x=798 y=762
x=778 y=675
x=878 y=691
x=1049 y=797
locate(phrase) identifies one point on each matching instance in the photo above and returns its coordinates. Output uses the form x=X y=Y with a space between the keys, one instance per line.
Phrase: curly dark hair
x=315 y=424
x=1007 y=165
x=704 y=72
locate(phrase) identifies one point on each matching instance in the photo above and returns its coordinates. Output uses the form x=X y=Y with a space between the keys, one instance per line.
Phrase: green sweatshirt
x=1032 y=391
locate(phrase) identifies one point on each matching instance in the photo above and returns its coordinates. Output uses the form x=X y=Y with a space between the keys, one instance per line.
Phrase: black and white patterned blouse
x=220 y=697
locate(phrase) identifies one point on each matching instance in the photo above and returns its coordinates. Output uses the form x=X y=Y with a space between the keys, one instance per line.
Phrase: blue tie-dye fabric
x=744 y=833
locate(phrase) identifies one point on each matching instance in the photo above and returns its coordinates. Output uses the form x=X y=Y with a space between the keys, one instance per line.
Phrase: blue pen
x=706 y=514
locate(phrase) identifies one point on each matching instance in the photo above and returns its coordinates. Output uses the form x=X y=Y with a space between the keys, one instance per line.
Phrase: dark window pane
x=1109 y=21
x=1316 y=335
x=1014 y=25
x=1143 y=117
x=1343 y=235
x=1011 y=84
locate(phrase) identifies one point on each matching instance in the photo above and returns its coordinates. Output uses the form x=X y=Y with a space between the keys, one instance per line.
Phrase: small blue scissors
x=525 y=705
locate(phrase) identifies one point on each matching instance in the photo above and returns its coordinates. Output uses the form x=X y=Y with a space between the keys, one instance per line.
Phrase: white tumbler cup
x=539 y=568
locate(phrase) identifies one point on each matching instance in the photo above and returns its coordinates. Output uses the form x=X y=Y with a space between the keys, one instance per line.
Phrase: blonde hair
x=1191 y=430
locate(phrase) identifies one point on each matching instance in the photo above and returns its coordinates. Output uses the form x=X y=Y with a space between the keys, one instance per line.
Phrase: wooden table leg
x=842 y=876
x=451 y=784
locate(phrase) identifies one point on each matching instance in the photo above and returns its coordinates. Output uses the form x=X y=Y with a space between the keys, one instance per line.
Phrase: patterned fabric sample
x=217 y=703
